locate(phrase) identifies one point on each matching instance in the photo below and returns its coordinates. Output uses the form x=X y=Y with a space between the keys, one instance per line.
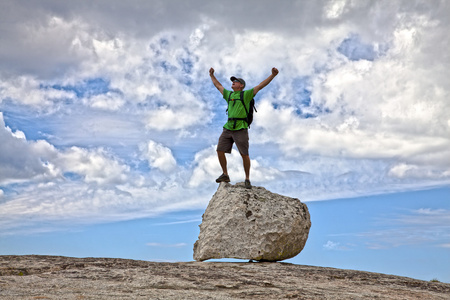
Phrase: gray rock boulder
x=252 y=224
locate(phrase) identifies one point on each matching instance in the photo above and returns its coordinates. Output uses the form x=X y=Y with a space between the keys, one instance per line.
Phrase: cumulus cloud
x=94 y=165
x=20 y=160
x=350 y=108
x=158 y=156
x=23 y=160
x=28 y=90
x=108 y=101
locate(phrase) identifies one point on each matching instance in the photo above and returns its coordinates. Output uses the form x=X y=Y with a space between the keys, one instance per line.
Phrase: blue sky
x=109 y=121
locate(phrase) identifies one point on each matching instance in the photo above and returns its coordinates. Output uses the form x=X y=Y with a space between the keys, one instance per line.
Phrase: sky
x=109 y=122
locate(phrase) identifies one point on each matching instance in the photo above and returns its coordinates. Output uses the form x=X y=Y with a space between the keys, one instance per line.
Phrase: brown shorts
x=228 y=137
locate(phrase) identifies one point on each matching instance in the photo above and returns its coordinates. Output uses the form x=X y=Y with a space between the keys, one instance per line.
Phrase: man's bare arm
x=266 y=81
x=216 y=82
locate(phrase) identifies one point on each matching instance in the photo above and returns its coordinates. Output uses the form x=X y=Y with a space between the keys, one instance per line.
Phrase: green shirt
x=235 y=108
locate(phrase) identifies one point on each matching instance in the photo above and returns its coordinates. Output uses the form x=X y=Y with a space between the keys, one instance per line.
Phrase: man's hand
x=211 y=72
x=274 y=71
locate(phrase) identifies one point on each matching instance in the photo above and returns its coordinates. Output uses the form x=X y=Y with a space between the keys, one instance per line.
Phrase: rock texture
x=51 y=277
x=252 y=224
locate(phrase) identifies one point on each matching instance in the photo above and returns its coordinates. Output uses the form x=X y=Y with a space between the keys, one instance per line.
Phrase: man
x=236 y=129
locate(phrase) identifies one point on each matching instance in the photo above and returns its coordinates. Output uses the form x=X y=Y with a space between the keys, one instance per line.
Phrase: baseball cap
x=238 y=79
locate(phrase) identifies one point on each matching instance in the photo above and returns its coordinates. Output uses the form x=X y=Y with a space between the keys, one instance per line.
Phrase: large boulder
x=252 y=224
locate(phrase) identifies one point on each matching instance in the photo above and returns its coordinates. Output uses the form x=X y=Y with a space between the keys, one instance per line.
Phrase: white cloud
x=426 y=216
x=108 y=101
x=206 y=167
x=94 y=165
x=330 y=245
x=424 y=225
x=21 y=160
x=401 y=169
x=368 y=114
x=159 y=156
x=28 y=91
x=38 y=160
x=334 y=9
x=69 y=203
x=177 y=117
x=429 y=211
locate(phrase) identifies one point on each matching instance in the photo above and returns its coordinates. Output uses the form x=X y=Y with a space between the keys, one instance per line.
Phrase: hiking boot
x=248 y=185
x=223 y=178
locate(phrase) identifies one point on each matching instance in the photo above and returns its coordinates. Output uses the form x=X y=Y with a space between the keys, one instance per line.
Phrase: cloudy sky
x=108 y=114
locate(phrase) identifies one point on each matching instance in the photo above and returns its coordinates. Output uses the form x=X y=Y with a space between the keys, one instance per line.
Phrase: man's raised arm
x=266 y=81
x=216 y=82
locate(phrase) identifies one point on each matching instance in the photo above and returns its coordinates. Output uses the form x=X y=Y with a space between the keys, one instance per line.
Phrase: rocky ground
x=54 y=277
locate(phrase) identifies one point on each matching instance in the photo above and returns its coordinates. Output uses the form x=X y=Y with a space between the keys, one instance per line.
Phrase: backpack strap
x=243 y=103
x=229 y=97
x=228 y=101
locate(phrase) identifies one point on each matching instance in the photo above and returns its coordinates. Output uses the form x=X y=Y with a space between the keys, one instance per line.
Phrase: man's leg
x=224 y=146
x=246 y=160
x=222 y=161
x=241 y=139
